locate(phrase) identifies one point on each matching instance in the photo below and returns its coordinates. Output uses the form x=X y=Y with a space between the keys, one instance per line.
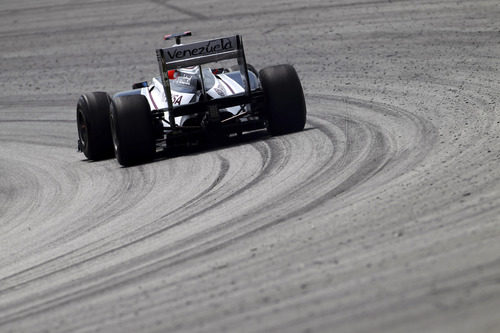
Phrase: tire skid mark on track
x=59 y=7
x=375 y=154
x=193 y=14
x=37 y=196
x=35 y=142
x=82 y=225
x=213 y=191
x=224 y=167
x=49 y=121
x=223 y=170
x=266 y=169
x=270 y=165
x=20 y=180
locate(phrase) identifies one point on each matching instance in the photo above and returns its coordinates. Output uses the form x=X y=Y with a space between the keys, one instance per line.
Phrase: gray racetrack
x=382 y=216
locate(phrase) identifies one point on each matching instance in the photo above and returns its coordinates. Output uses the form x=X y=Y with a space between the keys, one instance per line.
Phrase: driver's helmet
x=189 y=78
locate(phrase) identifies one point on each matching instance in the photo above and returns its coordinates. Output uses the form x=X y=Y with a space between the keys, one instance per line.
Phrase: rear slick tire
x=132 y=129
x=92 y=120
x=285 y=107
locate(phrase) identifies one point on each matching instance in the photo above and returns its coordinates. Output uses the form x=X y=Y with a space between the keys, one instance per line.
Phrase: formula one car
x=190 y=103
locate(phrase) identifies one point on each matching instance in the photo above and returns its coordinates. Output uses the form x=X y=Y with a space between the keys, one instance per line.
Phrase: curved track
x=383 y=215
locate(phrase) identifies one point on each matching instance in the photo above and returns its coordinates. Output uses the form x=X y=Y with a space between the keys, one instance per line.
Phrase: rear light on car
x=172 y=74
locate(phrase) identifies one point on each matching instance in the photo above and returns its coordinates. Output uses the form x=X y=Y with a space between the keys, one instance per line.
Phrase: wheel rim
x=114 y=135
x=83 y=133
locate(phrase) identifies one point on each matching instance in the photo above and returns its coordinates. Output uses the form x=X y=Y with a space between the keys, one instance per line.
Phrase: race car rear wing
x=197 y=54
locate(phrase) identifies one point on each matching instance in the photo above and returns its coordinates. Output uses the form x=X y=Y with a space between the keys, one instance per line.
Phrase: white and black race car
x=190 y=102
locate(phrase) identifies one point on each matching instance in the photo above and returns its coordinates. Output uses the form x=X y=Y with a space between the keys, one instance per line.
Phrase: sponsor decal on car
x=210 y=47
x=183 y=80
x=177 y=99
x=220 y=91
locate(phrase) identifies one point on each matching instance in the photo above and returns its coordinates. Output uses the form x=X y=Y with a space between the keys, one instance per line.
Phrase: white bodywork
x=222 y=86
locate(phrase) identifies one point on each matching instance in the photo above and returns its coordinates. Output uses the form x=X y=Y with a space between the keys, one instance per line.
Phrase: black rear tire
x=285 y=107
x=132 y=129
x=92 y=119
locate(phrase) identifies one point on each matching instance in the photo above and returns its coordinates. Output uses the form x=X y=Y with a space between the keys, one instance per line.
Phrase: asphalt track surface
x=383 y=215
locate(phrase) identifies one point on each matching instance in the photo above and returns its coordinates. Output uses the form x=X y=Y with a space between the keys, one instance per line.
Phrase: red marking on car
x=172 y=74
